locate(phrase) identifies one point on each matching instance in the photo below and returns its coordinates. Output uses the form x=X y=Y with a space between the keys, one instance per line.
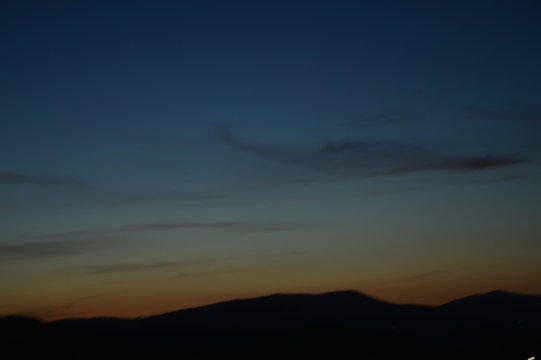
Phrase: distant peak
x=493 y=298
x=350 y=295
x=344 y=293
x=498 y=293
x=339 y=293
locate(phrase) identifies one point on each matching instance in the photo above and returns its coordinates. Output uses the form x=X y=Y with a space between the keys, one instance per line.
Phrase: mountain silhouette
x=496 y=304
x=277 y=312
x=336 y=325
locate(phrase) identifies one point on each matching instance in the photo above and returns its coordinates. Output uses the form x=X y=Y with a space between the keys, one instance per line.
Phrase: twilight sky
x=160 y=154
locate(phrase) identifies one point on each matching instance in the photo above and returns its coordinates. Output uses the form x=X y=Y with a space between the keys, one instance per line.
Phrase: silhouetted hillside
x=496 y=304
x=338 y=325
x=276 y=313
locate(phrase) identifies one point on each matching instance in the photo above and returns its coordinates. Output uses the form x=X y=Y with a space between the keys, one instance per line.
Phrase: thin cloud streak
x=151 y=227
x=427 y=275
x=430 y=274
x=288 y=155
x=386 y=118
x=73 y=308
x=460 y=164
x=108 y=269
x=150 y=266
x=57 y=183
x=190 y=275
x=504 y=115
x=84 y=189
x=57 y=248
x=354 y=159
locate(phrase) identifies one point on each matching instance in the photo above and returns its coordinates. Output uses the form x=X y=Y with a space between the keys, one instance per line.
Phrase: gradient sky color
x=157 y=155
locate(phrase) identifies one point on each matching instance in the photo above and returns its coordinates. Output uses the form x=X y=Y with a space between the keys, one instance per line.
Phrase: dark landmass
x=337 y=325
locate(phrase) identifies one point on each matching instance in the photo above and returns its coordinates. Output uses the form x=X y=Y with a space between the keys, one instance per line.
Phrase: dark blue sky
x=260 y=146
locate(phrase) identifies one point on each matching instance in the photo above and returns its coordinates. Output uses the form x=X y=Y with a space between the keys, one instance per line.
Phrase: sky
x=158 y=155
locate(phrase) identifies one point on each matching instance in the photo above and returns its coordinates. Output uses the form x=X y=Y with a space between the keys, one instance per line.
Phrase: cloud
x=386 y=118
x=43 y=249
x=62 y=183
x=510 y=177
x=50 y=248
x=50 y=313
x=82 y=188
x=504 y=115
x=351 y=159
x=150 y=227
x=283 y=154
x=107 y=269
x=73 y=308
x=145 y=196
x=150 y=266
x=372 y=152
x=189 y=275
x=465 y=164
x=185 y=144
x=431 y=275
x=427 y=275
x=71 y=243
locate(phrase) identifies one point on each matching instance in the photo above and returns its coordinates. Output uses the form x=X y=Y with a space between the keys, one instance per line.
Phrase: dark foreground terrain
x=339 y=325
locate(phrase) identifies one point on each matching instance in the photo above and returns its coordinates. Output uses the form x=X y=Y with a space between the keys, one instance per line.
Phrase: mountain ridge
x=333 y=325
x=351 y=294
x=353 y=297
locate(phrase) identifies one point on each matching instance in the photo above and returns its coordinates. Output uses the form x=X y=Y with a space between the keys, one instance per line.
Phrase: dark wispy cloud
x=116 y=268
x=168 y=226
x=197 y=274
x=85 y=189
x=431 y=275
x=153 y=196
x=73 y=308
x=504 y=114
x=71 y=243
x=460 y=164
x=56 y=248
x=183 y=264
x=386 y=118
x=56 y=183
x=49 y=313
x=510 y=177
x=185 y=144
x=422 y=276
x=279 y=153
x=349 y=159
